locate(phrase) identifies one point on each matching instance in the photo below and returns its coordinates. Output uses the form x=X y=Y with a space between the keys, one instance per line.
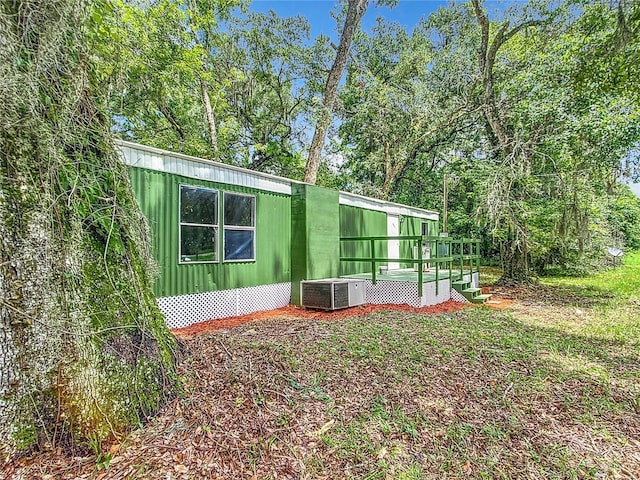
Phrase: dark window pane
x=197 y=244
x=238 y=244
x=198 y=205
x=238 y=210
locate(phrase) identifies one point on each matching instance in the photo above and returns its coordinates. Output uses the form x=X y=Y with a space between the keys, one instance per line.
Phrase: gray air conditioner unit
x=332 y=293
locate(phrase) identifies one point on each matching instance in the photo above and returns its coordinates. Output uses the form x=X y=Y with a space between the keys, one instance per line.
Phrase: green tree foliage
x=532 y=113
x=259 y=74
x=556 y=149
x=624 y=217
x=353 y=13
x=399 y=115
x=268 y=72
x=531 y=155
x=608 y=53
x=162 y=74
x=355 y=10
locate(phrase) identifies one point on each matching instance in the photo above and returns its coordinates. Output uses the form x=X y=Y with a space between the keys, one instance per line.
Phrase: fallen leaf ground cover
x=549 y=388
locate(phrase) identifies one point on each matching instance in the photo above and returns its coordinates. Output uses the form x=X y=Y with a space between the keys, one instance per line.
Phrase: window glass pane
x=198 y=205
x=197 y=244
x=238 y=210
x=238 y=244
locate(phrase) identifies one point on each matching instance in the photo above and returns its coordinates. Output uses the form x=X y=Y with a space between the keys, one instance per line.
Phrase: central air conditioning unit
x=332 y=293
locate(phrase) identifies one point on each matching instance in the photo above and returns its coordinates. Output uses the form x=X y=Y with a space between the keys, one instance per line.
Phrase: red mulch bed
x=497 y=302
x=292 y=311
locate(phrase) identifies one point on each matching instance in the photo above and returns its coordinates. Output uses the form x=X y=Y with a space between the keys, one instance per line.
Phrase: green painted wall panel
x=323 y=232
x=360 y=222
x=298 y=240
x=315 y=243
x=158 y=193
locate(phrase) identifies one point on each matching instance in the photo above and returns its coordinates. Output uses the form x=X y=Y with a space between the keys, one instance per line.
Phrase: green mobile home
x=230 y=241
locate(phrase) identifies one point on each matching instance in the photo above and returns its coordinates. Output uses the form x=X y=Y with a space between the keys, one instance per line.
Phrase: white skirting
x=184 y=310
x=386 y=291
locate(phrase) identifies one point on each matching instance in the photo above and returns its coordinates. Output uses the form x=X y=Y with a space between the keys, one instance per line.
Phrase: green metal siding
x=158 y=193
x=360 y=222
x=315 y=239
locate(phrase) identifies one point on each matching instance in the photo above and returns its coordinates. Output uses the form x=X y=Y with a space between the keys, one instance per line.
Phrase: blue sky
x=318 y=12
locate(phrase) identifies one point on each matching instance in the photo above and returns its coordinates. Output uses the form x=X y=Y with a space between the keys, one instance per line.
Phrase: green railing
x=448 y=251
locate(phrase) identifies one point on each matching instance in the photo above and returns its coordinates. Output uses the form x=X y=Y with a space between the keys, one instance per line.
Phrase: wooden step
x=481 y=298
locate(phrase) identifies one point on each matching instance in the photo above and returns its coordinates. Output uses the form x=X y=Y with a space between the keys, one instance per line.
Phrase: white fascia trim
x=199 y=168
x=354 y=200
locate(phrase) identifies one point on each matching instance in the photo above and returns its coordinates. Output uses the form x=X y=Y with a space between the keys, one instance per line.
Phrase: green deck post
x=448 y=262
x=453 y=257
x=419 y=242
x=373 y=260
x=472 y=262
x=462 y=259
x=472 y=248
x=437 y=267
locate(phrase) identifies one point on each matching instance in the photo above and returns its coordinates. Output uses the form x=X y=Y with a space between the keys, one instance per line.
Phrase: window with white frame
x=239 y=227
x=198 y=224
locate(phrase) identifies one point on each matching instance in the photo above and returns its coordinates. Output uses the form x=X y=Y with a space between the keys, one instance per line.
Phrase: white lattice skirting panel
x=184 y=310
x=384 y=292
x=458 y=297
x=475 y=283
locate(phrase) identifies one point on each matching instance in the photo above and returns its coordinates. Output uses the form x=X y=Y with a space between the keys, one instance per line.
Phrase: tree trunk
x=355 y=11
x=206 y=100
x=515 y=265
x=84 y=350
x=486 y=60
x=514 y=252
x=211 y=121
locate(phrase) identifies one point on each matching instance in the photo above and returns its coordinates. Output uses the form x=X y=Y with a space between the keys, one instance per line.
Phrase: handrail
x=449 y=259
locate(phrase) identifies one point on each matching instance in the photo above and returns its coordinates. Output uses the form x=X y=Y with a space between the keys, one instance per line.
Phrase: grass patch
x=621 y=282
x=548 y=389
x=478 y=393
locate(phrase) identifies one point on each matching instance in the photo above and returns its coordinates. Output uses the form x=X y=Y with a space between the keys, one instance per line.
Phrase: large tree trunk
x=514 y=250
x=84 y=350
x=515 y=263
x=355 y=11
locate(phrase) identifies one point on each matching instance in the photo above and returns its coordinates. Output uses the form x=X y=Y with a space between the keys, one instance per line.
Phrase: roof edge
x=346 y=198
x=160 y=151
x=356 y=200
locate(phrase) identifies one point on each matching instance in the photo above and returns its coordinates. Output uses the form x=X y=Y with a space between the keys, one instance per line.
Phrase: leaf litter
x=371 y=393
